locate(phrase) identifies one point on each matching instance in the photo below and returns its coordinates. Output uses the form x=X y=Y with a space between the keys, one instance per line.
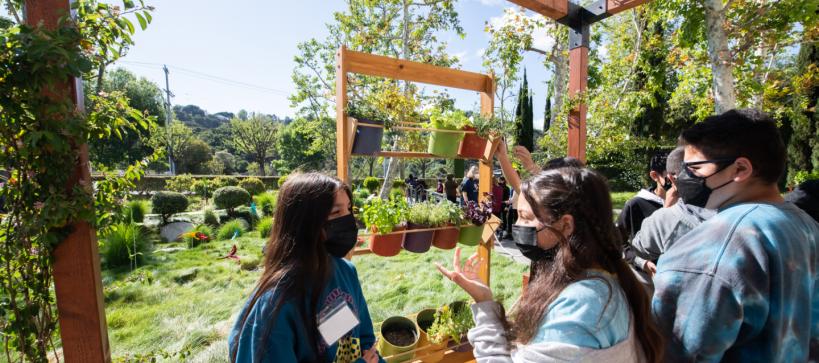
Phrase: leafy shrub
x=399 y=184
x=167 y=204
x=125 y=244
x=252 y=185
x=264 y=227
x=383 y=215
x=267 y=202
x=371 y=184
x=230 y=197
x=227 y=230
x=225 y=181
x=421 y=213
x=451 y=322
x=281 y=181
x=180 y=183
x=203 y=188
x=135 y=211
x=803 y=176
x=396 y=193
x=203 y=233
x=210 y=218
x=246 y=214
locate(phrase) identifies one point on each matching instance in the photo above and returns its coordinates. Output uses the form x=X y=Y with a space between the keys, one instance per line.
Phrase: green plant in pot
x=450 y=215
x=426 y=350
x=382 y=217
x=478 y=214
x=451 y=324
x=399 y=337
x=442 y=143
x=486 y=128
x=420 y=216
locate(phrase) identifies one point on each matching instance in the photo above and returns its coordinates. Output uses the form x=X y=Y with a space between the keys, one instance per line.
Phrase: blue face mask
x=693 y=189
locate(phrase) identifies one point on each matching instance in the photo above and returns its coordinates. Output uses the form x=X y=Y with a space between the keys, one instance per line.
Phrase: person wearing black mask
x=307 y=282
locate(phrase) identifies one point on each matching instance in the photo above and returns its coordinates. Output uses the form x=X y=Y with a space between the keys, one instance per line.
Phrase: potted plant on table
x=443 y=143
x=419 y=216
x=452 y=216
x=451 y=324
x=478 y=214
x=474 y=145
x=382 y=217
x=428 y=351
x=398 y=335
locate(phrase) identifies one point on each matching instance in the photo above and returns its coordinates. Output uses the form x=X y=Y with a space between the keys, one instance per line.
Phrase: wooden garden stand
x=348 y=61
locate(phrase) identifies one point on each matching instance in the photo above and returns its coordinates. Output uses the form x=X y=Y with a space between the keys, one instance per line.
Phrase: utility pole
x=168 y=118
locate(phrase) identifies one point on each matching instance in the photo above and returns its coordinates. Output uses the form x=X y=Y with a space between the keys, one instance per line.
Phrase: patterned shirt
x=741 y=287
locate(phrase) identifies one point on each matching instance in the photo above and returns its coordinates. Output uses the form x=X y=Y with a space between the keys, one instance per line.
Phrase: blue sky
x=232 y=55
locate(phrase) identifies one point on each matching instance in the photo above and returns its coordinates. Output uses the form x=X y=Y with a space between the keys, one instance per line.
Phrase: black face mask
x=342 y=234
x=692 y=188
x=525 y=238
x=667 y=186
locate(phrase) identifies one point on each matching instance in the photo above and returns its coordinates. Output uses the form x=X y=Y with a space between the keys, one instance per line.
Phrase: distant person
x=440 y=187
x=647 y=201
x=743 y=286
x=451 y=189
x=666 y=225
x=469 y=187
x=806 y=197
x=500 y=200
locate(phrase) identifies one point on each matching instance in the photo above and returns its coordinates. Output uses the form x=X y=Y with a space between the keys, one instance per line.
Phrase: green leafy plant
x=180 y=183
x=396 y=193
x=372 y=184
x=421 y=214
x=230 y=197
x=803 y=176
x=245 y=213
x=204 y=188
x=449 y=120
x=451 y=322
x=125 y=244
x=167 y=204
x=453 y=213
x=281 y=181
x=210 y=218
x=486 y=126
x=203 y=233
x=135 y=211
x=233 y=227
x=264 y=227
x=383 y=215
x=225 y=181
x=252 y=185
x=399 y=184
x=266 y=202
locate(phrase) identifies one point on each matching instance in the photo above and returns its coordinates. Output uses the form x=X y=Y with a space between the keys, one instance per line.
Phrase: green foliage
x=174 y=140
x=255 y=138
x=233 y=227
x=167 y=204
x=524 y=129
x=447 y=120
x=803 y=176
x=202 y=233
x=372 y=184
x=180 y=183
x=203 y=188
x=252 y=185
x=451 y=322
x=281 y=181
x=246 y=214
x=421 y=214
x=264 y=227
x=485 y=126
x=306 y=144
x=125 y=244
x=225 y=181
x=266 y=202
x=135 y=211
x=210 y=218
x=399 y=184
x=230 y=197
x=445 y=213
x=396 y=193
x=193 y=157
x=384 y=215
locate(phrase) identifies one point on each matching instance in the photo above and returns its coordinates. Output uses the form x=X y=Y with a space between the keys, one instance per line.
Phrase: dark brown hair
x=296 y=262
x=595 y=243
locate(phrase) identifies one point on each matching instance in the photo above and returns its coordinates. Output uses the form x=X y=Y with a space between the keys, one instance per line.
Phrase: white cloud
x=540 y=37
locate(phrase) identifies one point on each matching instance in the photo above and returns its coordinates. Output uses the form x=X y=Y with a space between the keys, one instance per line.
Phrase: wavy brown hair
x=296 y=262
x=595 y=243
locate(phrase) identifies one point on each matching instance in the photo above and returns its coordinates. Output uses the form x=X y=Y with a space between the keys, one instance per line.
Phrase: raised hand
x=466 y=276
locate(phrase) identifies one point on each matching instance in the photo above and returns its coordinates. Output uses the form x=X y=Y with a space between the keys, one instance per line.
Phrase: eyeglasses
x=720 y=161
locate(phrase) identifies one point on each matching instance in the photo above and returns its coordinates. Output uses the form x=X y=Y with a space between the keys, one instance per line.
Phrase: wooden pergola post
x=77 y=280
x=579 y=20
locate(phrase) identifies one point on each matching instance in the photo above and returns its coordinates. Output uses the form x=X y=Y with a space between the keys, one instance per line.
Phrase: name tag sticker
x=336 y=321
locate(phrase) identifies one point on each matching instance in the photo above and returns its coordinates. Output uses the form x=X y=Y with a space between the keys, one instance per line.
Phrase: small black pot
x=368 y=139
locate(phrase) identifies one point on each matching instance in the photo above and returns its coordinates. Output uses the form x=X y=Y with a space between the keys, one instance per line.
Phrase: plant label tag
x=335 y=321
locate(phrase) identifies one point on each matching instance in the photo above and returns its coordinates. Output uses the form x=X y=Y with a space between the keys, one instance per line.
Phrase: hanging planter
x=383 y=217
x=387 y=245
x=470 y=235
x=446 y=238
x=443 y=143
x=368 y=135
x=418 y=242
x=472 y=146
x=478 y=214
x=398 y=335
x=428 y=351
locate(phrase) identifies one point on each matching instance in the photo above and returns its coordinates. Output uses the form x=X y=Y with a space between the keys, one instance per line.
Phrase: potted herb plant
x=398 y=335
x=478 y=214
x=419 y=217
x=474 y=145
x=428 y=351
x=382 y=217
x=451 y=215
x=442 y=143
x=451 y=324
x=370 y=129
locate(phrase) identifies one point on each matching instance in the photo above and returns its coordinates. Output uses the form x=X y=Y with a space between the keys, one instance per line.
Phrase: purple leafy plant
x=479 y=213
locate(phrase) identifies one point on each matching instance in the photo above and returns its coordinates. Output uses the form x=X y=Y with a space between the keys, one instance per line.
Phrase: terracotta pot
x=387 y=245
x=418 y=242
x=472 y=146
x=446 y=239
x=367 y=140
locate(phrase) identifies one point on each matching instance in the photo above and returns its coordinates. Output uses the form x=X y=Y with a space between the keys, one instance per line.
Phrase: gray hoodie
x=664 y=227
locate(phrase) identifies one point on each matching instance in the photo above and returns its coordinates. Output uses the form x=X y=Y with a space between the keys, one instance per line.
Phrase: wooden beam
x=619 y=6
x=554 y=9
x=578 y=81
x=77 y=281
x=380 y=66
x=343 y=132
x=485 y=177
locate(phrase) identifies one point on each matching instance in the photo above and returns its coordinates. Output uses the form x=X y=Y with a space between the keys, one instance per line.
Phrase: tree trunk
x=561 y=79
x=720 y=57
x=260 y=160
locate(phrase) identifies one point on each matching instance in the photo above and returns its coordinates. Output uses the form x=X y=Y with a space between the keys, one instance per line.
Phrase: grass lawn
x=187 y=299
x=618 y=199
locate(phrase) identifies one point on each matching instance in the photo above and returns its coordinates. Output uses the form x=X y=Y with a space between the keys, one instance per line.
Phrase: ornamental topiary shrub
x=371 y=184
x=266 y=202
x=230 y=197
x=180 y=183
x=167 y=204
x=252 y=185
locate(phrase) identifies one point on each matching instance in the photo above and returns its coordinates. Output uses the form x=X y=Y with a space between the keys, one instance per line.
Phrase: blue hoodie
x=286 y=339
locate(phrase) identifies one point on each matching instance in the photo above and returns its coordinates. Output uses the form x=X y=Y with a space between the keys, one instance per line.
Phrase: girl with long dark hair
x=307 y=283
x=584 y=303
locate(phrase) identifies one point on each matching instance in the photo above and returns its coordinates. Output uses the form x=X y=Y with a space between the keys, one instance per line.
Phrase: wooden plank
x=485 y=177
x=342 y=125
x=578 y=81
x=554 y=9
x=619 y=6
x=77 y=281
x=380 y=66
x=410 y=155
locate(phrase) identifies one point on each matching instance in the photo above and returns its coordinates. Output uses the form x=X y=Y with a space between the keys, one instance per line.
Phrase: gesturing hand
x=466 y=276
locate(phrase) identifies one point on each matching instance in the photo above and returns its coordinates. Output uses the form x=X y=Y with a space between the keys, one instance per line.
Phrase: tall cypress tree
x=523 y=115
x=547 y=115
x=529 y=125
